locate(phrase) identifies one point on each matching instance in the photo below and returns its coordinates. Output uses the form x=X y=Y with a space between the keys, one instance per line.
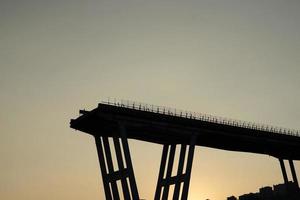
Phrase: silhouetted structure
x=281 y=192
x=172 y=128
x=250 y=196
x=266 y=193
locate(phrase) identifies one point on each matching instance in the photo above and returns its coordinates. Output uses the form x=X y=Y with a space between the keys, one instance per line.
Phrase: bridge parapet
x=200 y=116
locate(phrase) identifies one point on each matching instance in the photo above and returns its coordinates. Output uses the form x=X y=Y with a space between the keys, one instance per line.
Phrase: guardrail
x=200 y=116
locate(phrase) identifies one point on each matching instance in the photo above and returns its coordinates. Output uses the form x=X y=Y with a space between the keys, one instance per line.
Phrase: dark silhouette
x=172 y=128
x=288 y=191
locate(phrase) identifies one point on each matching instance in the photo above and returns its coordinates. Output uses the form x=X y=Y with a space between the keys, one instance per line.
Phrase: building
x=288 y=191
x=266 y=193
x=232 y=198
x=250 y=196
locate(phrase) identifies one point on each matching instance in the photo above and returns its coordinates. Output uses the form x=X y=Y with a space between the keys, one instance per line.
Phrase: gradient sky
x=232 y=58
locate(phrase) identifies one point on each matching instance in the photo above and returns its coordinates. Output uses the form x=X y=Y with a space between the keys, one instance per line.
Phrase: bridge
x=173 y=129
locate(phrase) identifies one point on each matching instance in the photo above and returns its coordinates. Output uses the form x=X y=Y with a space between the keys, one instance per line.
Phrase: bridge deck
x=157 y=127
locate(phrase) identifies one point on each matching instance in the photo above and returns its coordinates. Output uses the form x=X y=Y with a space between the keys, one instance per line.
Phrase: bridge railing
x=200 y=116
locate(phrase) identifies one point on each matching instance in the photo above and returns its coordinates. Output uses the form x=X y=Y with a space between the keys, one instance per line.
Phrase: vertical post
x=134 y=191
x=293 y=171
x=284 y=174
x=189 y=168
x=121 y=167
x=179 y=171
x=181 y=177
x=169 y=172
x=110 y=168
x=161 y=171
x=103 y=168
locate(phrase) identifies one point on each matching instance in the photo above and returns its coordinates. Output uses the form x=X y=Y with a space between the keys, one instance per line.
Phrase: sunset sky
x=235 y=58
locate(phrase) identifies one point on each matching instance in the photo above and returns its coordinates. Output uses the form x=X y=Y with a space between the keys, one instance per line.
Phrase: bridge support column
x=182 y=179
x=110 y=177
x=293 y=171
x=284 y=174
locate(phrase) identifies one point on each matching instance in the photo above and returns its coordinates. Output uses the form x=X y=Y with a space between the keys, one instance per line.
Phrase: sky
x=234 y=58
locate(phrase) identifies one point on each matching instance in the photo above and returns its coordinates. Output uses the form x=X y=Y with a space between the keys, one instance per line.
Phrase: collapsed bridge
x=170 y=127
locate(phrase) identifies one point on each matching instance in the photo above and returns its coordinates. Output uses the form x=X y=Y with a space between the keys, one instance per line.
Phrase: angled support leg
x=109 y=162
x=110 y=177
x=161 y=172
x=182 y=178
x=179 y=170
x=132 y=182
x=284 y=174
x=103 y=168
x=293 y=171
x=188 y=169
x=167 y=180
